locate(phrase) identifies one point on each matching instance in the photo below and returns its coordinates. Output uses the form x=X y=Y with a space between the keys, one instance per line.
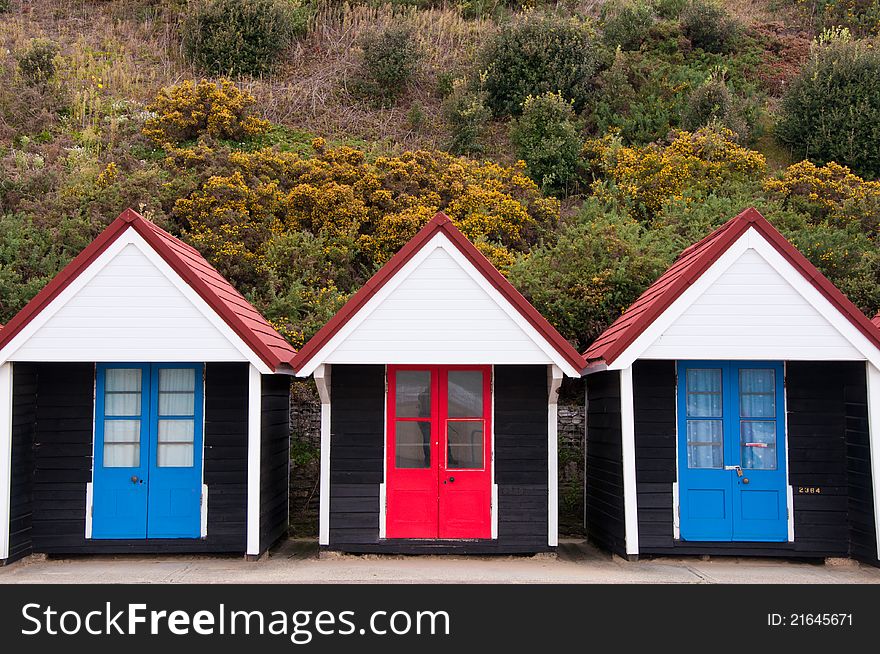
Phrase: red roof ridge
x=187 y=262
x=692 y=263
x=440 y=223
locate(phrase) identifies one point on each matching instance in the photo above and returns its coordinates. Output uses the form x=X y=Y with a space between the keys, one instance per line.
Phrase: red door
x=438 y=471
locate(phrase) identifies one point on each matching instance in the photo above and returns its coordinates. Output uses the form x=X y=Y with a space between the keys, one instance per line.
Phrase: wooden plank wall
x=604 y=512
x=274 y=459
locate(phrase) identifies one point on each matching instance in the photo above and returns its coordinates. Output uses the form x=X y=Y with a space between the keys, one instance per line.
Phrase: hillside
x=317 y=160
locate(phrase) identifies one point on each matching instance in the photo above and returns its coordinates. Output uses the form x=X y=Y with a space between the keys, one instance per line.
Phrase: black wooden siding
x=274 y=459
x=654 y=420
x=356 y=463
x=862 y=535
x=24 y=384
x=827 y=439
x=603 y=506
x=61 y=447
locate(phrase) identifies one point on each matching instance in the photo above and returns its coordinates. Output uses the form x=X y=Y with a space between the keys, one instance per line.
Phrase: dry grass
x=122 y=51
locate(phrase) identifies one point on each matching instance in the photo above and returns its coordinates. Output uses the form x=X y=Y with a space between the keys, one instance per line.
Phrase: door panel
x=411 y=488
x=760 y=495
x=174 y=509
x=731 y=464
x=465 y=470
x=119 y=489
x=438 y=452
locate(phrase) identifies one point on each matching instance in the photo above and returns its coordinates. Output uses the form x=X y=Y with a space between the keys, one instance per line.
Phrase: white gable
x=438 y=309
x=751 y=304
x=128 y=305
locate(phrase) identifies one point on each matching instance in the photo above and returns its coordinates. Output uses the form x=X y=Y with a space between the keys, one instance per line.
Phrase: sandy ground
x=299 y=562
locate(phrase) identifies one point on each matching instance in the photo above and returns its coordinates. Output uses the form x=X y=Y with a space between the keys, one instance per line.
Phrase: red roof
x=692 y=263
x=440 y=223
x=186 y=261
x=876 y=320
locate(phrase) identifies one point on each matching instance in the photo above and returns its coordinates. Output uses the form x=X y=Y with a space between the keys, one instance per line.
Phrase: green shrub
x=241 y=36
x=626 y=23
x=31 y=253
x=467 y=114
x=37 y=62
x=536 y=54
x=547 y=137
x=713 y=102
x=599 y=263
x=708 y=26
x=390 y=59
x=670 y=9
x=4 y=6
x=831 y=111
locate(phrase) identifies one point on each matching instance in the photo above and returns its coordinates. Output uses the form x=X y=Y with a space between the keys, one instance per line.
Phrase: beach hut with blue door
x=734 y=408
x=144 y=407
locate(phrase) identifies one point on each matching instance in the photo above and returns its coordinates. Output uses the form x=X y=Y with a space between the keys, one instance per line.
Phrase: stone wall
x=305 y=426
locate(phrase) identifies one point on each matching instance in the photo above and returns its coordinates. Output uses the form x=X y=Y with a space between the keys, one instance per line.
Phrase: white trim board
x=322 y=381
x=628 y=443
x=238 y=350
x=538 y=345
x=554 y=380
x=255 y=401
x=5 y=456
x=855 y=345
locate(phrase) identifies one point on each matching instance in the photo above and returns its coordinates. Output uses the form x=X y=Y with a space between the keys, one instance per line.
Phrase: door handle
x=451 y=479
x=134 y=479
x=745 y=480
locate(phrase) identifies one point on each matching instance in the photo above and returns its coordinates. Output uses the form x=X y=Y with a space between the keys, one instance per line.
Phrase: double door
x=731 y=452
x=147 y=478
x=439 y=480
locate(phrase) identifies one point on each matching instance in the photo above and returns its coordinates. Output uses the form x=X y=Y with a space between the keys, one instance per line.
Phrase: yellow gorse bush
x=646 y=178
x=376 y=206
x=831 y=191
x=186 y=111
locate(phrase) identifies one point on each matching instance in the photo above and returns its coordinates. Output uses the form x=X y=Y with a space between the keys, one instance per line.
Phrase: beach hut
x=439 y=386
x=143 y=407
x=734 y=408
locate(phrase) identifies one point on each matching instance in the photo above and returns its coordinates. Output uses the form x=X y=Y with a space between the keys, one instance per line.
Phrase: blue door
x=148 y=451
x=731 y=454
x=122 y=433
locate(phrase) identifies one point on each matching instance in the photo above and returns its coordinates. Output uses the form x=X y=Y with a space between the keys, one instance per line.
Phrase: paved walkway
x=298 y=562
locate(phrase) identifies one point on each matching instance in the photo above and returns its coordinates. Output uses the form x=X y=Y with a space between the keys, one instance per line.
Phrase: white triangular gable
x=751 y=304
x=438 y=309
x=129 y=305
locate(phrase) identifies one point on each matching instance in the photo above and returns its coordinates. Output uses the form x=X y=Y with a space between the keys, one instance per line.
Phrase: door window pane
x=122 y=443
x=123 y=380
x=465 y=394
x=758 y=441
x=177 y=391
x=122 y=392
x=175 y=444
x=413 y=393
x=412 y=446
x=704 y=444
x=757 y=393
x=464 y=440
x=704 y=393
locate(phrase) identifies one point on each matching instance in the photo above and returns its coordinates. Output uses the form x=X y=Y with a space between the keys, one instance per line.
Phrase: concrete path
x=298 y=562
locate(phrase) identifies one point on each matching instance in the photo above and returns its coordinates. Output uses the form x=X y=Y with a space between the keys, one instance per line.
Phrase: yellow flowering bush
x=378 y=205
x=186 y=111
x=643 y=179
x=256 y=221
x=830 y=192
